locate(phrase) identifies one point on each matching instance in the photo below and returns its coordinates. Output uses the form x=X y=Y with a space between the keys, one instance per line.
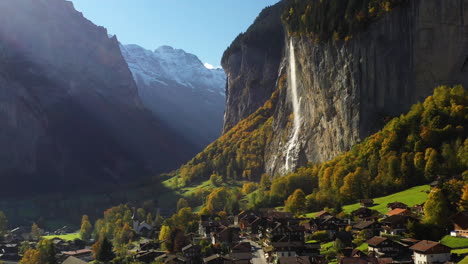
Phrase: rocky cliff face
x=345 y=90
x=180 y=91
x=251 y=64
x=69 y=108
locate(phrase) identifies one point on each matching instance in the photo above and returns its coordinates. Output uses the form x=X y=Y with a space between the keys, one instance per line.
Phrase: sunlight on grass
x=67 y=237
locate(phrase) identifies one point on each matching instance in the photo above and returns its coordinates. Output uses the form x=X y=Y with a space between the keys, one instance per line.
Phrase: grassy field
x=460 y=251
x=412 y=196
x=67 y=237
x=455 y=242
x=363 y=247
x=464 y=261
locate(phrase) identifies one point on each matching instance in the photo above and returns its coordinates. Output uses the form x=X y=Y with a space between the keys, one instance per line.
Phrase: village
x=272 y=236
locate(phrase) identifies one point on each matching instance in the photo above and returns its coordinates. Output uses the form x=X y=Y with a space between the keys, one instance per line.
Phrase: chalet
x=292 y=249
x=275 y=215
x=426 y=252
x=192 y=253
x=73 y=260
x=372 y=225
x=409 y=242
x=20 y=234
x=83 y=254
x=363 y=213
x=400 y=211
x=148 y=256
x=207 y=227
x=395 y=205
x=284 y=232
x=345 y=237
x=328 y=223
x=228 y=235
x=395 y=224
x=384 y=247
x=141 y=228
x=460 y=225
x=366 y=202
x=294 y=260
x=171 y=259
x=149 y=245
x=9 y=251
x=322 y=214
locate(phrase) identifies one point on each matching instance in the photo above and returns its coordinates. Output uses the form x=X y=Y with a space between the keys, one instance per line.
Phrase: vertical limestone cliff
x=346 y=90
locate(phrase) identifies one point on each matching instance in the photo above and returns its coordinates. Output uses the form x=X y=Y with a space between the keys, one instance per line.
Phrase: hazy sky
x=202 y=27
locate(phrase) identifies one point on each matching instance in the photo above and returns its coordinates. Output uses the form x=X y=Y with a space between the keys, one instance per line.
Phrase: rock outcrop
x=69 y=108
x=348 y=89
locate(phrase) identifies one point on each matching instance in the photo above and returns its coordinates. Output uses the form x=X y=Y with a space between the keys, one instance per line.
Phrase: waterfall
x=293 y=144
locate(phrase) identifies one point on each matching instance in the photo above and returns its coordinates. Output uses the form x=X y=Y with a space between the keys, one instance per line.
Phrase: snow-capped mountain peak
x=167 y=64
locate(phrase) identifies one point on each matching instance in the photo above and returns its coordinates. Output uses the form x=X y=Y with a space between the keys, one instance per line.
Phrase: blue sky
x=202 y=27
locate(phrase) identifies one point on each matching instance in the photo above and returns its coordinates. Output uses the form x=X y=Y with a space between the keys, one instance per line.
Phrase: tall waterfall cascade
x=293 y=146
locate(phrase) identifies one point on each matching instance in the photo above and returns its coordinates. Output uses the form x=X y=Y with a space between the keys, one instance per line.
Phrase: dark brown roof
x=322 y=213
x=375 y=241
x=294 y=260
x=430 y=247
x=461 y=219
x=363 y=224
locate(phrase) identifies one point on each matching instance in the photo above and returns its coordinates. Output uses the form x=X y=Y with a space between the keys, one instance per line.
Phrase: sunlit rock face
x=346 y=90
x=69 y=107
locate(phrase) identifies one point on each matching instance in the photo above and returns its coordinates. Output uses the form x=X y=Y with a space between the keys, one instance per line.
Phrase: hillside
x=426 y=144
x=69 y=107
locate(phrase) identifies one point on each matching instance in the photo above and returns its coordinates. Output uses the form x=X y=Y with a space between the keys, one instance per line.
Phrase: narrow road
x=258 y=256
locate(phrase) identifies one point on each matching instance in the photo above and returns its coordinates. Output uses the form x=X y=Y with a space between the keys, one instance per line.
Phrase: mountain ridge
x=180 y=90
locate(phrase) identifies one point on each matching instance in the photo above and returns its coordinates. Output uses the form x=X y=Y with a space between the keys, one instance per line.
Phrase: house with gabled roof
x=400 y=211
x=383 y=247
x=426 y=252
x=395 y=205
x=460 y=225
x=395 y=224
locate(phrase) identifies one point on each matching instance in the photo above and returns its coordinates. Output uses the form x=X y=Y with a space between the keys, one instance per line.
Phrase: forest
x=336 y=19
x=425 y=145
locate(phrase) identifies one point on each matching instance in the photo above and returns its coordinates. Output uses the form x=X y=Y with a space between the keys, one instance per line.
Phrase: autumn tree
x=86 y=228
x=463 y=204
x=248 y=187
x=182 y=203
x=265 y=181
x=296 y=203
x=219 y=200
x=43 y=254
x=165 y=236
x=36 y=232
x=430 y=171
x=436 y=208
x=103 y=250
x=149 y=218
